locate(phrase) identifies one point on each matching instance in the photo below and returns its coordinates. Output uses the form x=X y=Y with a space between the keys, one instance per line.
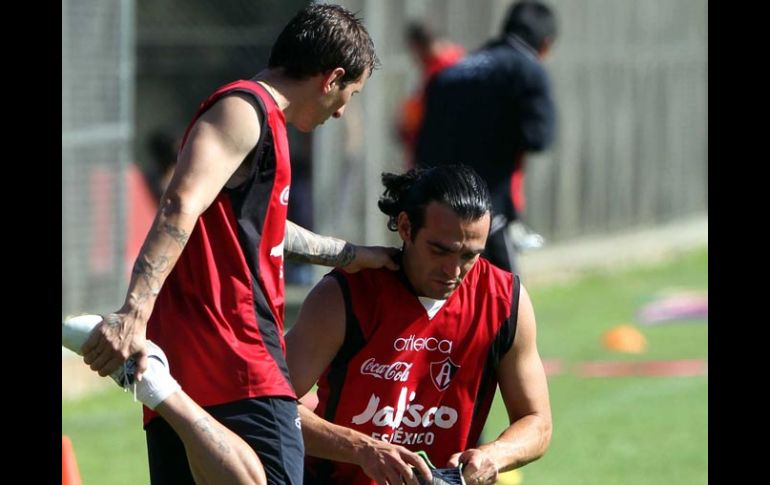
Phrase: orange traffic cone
x=624 y=338
x=69 y=466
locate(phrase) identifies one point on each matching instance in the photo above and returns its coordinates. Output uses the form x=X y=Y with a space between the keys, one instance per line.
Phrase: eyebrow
x=443 y=247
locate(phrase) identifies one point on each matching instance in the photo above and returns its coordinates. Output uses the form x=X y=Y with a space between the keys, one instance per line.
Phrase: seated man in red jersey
x=409 y=360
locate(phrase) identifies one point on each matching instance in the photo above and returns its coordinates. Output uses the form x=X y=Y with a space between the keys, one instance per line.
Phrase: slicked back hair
x=457 y=186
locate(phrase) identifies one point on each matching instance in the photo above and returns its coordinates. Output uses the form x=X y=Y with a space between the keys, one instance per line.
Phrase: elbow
x=546 y=431
x=541 y=440
x=174 y=204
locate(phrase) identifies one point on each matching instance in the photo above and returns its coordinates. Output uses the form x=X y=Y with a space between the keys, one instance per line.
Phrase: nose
x=451 y=268
x=338 y=114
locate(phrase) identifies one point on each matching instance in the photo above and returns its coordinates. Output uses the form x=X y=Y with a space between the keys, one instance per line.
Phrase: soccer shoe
x=156 y=384
x=524 y=238
x=445 y=476
x=441 y=476
x=75 y=331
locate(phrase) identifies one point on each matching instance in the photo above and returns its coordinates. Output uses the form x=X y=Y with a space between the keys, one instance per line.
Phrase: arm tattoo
x=347 y=255
x=304 y=246
x=177 y=234
x=150 y=271
x=212 y=434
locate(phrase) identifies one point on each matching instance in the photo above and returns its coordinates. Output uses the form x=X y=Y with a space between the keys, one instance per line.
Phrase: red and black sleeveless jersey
x=426 y=384
x=219 y=315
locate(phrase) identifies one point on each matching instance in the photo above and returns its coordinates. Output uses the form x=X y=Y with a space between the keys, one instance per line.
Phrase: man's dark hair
x=457 y=186
x=320 y=38
x=419 y=33
x=531 y=20
x=163 y=147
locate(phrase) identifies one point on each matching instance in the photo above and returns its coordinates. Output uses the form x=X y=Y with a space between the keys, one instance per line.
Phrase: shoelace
x=126 y=383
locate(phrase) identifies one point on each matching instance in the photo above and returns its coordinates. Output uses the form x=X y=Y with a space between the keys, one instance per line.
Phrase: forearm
x=523 y=441
x=330 y=441
x=160 y=252
x=304 y=246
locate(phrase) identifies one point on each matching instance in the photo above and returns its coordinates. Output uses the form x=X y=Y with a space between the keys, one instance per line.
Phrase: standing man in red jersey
x=207 y=286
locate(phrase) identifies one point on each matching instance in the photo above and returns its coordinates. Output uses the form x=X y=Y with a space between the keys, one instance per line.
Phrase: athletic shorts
x=270 y=425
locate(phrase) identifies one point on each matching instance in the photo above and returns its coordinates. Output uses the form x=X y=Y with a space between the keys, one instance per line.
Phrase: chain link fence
x=97 y=90
x=630 y=80
x=131 y=71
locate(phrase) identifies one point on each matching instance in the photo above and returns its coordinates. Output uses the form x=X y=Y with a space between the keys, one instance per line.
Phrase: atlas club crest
x=441 y=373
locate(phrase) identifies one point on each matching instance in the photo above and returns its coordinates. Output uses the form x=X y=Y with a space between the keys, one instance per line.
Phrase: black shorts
x=270 y=425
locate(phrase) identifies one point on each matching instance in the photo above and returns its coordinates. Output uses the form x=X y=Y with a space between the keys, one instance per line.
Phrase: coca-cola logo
x=396 y=371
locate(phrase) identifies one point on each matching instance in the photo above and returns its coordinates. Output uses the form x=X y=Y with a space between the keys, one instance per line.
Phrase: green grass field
x=618 y=430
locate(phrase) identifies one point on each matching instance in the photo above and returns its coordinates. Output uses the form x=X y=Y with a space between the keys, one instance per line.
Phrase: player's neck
x=277 y=85
x=290 y=94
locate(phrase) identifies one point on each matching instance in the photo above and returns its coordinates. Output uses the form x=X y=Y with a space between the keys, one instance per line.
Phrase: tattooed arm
x=304 y=246
x=216 y=147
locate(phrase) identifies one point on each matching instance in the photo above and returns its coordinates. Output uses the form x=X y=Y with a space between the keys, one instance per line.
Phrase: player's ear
x=404 y=227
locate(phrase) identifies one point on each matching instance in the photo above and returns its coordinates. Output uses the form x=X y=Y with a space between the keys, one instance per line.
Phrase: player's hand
x=478 y=467
x=389 y=464
x=373 y=257
x=113 y=341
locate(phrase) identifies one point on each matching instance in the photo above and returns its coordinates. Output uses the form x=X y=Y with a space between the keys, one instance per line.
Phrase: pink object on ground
x=684 y=306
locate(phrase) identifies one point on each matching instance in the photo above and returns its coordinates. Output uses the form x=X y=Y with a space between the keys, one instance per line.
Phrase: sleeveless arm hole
x=255 y=154
x=513 y=318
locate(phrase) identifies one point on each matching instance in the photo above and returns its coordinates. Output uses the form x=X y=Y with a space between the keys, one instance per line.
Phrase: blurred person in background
x=432 y=53
x=163 y=147
x=488 y=111
x=409 y=361
x=207 y=286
